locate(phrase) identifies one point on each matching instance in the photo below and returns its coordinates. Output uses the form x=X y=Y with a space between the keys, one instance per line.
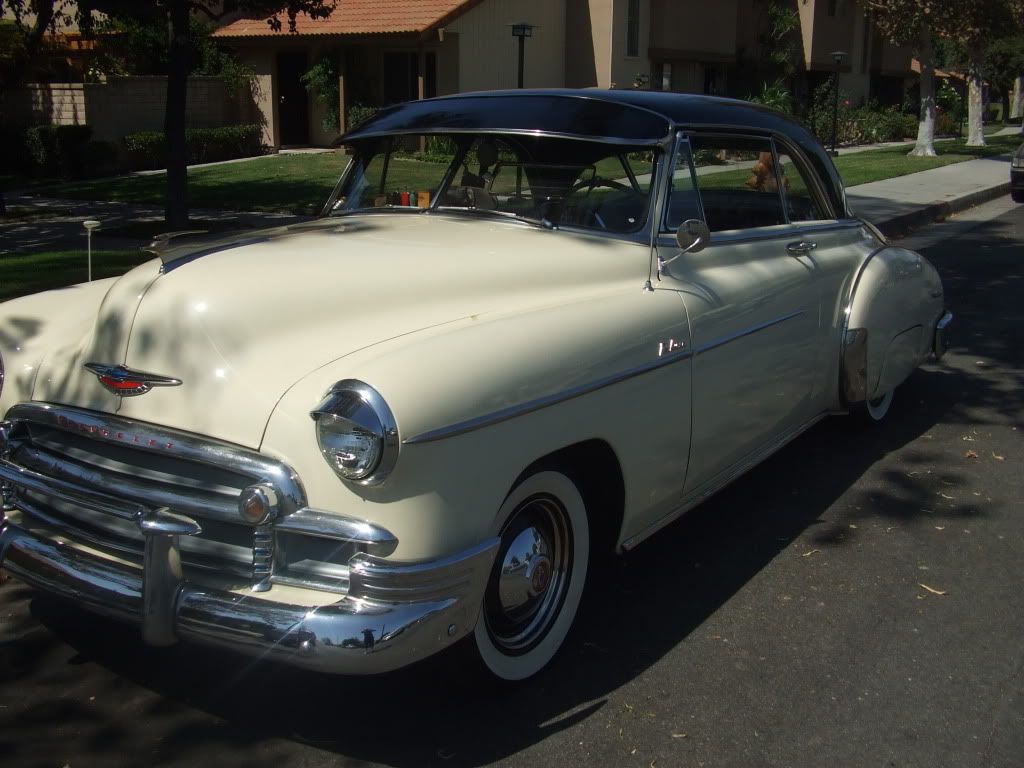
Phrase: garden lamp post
x=90 y=225
x=522 y=30
x=837 y=57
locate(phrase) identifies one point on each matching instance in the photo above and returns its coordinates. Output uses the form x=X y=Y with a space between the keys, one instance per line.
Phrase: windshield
x=544 y=180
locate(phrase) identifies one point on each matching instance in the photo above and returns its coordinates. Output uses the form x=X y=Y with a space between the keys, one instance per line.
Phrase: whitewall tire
x=538 y=576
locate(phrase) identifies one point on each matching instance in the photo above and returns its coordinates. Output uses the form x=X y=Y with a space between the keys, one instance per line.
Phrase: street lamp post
x=90 y=225
x=522 y=30
x=837 y=57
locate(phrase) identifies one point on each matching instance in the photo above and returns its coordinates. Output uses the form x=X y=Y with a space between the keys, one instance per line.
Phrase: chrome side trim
x=478 y=422
x=722 y=341
x=314 y=522
x=153 y=438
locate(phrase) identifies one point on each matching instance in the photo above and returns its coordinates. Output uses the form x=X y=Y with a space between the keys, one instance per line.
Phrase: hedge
x=148 y=149
x=48 y=150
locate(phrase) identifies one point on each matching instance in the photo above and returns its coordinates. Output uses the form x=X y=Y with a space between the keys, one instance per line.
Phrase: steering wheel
x=589 y=185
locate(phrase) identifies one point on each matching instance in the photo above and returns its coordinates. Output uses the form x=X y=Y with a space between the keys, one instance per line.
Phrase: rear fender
x=895 y=302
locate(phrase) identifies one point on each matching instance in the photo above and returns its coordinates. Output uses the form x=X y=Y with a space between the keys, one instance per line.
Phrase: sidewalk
x=895 y=205
x=903 y=203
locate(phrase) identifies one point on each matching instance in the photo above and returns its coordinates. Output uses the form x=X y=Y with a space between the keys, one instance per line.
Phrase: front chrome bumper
x=393 y=615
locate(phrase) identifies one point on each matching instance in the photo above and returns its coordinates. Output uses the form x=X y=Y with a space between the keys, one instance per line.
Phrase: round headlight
x=357 y=433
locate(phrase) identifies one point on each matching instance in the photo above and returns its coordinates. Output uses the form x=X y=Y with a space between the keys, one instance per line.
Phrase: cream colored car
x=529 y=327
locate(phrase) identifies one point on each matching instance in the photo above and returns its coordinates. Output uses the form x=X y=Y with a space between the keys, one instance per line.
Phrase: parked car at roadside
x=529 y=328
x=1017 y=175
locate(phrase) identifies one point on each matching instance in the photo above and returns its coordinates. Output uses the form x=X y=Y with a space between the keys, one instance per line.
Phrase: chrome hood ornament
x=127 y=382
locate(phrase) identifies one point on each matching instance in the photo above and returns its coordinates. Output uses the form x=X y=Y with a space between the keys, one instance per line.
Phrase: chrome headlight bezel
x=354 y=407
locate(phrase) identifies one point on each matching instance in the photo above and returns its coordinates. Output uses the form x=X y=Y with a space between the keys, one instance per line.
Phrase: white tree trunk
x=975 y=122
x=925 y=146
x=1017 y=100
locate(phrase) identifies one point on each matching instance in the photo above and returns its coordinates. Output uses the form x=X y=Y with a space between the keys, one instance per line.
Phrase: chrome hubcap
x=531 y=575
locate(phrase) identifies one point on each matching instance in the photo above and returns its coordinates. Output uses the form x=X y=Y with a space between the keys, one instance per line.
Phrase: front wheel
x=537 y=579
x=1017 y=195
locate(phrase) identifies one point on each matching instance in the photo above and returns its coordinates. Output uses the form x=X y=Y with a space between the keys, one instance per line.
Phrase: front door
x=292 y=98
x=752 y=304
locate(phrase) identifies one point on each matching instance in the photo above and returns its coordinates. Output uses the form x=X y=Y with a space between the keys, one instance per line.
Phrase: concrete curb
x=904 y=223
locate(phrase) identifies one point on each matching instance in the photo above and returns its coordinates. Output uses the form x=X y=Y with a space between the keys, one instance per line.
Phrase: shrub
x=358 y=113
x=947 y=124
x=56 y=150
x=145 y=149
x=99 y=158
x=148 y=149
x=775 y=96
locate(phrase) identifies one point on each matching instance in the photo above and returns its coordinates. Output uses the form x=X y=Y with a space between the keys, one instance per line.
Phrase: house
x=390 y=51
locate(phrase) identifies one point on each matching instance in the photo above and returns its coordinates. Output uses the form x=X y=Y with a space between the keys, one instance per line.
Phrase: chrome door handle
x=800 y=248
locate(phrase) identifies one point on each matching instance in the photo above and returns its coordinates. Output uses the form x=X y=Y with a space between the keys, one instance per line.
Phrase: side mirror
x=692 y=235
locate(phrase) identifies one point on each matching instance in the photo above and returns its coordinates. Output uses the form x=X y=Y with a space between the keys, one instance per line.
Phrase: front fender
x=896 y=300
x=448 y=484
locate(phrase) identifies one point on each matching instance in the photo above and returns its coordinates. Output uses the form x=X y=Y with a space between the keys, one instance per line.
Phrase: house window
x=633 y=28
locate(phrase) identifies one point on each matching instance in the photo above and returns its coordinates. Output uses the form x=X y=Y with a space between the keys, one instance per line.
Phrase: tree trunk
x=176 y=206
x=925 y=146
x=975 y=123
x=1017 y=103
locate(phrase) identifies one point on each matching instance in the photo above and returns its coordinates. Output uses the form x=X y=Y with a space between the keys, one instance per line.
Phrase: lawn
x=28 y=273
x=301 y=183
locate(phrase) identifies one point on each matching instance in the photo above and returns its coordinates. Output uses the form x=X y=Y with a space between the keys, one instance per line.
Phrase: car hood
x=239 y=323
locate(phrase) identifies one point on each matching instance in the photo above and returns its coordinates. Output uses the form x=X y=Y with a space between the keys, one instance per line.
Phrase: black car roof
x=632 y=117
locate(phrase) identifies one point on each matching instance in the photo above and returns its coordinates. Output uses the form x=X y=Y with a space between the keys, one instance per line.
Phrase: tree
x=916 y=23
x=992 y=49
x=36 y=18
x=966 y=23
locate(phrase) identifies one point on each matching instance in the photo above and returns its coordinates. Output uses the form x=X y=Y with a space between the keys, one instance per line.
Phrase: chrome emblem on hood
x=128 y=383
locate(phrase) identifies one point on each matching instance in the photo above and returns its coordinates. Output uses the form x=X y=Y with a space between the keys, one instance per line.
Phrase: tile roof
x=359 y=17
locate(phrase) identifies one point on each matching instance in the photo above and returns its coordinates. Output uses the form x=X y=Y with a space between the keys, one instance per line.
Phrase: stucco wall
x=124 y=105
x=625 y=69
x=694 y=29
x=488 y=54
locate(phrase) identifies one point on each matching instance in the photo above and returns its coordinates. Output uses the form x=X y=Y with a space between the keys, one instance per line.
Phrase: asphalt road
x=857 y=600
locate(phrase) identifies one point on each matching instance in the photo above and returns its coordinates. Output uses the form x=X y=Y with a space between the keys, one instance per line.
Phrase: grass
x=23 y=274
x=890 y=162
x=301 y=183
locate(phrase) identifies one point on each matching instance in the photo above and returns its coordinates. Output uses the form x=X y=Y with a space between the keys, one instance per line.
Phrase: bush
x=56 y=150
x=947 y=124
x=358 y=113
x=100 y=158
x=145 y=149
x=148 y=149
x=775 y=96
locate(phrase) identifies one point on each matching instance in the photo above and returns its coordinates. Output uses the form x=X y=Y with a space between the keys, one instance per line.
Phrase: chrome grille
x=89 y=478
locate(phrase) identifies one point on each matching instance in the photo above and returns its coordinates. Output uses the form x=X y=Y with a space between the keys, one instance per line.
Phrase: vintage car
x=529 y=328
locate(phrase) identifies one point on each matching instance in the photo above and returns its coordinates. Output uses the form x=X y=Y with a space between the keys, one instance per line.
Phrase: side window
x=738 y=181
x=683 y=202
x=800 y=203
